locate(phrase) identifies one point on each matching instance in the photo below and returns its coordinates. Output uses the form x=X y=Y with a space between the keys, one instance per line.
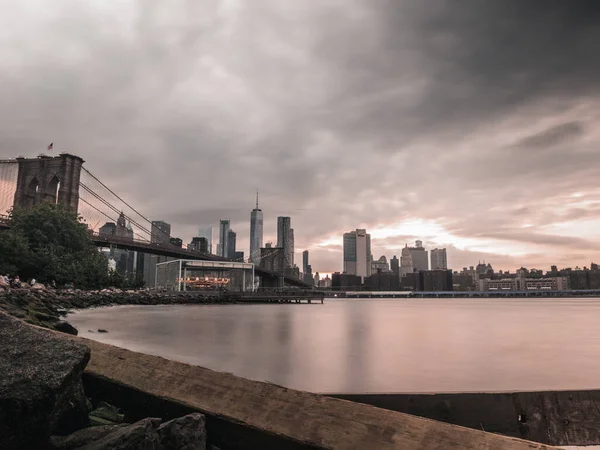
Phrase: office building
x=305 y=261
x=413 y=259
x=239 y=256
x=285 y=239
x=395 y=266
x=381 y=265
x=406 y=262
x=177 y=242
x=224 y=225
x=291 y=248
x=435 y=280
x=256 y=233
x=108 y=229
x=160 y=232
x=231 y=238
x=345 y=282
x=439 y=259
x=199 y=244
x=419 y=256
x=206 y=232
x=357 y=253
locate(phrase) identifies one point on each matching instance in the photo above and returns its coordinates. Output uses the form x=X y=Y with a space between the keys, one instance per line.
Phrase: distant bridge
x=63 y=180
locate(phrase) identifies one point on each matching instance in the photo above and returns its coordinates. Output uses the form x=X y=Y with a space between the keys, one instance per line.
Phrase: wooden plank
x=300 y=417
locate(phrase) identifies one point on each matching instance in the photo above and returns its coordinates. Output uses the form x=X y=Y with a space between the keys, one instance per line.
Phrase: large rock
x=82 y=437
x=142 y=435
x=184 y=433
x=40 y=384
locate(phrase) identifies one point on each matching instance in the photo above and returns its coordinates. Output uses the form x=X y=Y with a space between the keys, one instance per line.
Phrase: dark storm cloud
x=342 y=113
x=552 y=136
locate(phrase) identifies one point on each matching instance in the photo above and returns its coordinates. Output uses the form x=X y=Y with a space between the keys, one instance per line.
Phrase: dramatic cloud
x=469 y=124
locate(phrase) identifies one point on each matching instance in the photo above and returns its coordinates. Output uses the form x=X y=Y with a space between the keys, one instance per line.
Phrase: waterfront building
x=439 y=259
x=520 y=283
x=435 y=280
x=357 y=253
x=160 y=232
x=285 y=239
x=345 y=282
x=206 y=232
x=256 y=232
x=239 y=256
x=224 y=225
x=177 y=242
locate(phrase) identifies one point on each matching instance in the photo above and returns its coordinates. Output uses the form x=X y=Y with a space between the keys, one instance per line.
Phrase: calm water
x=373 y=345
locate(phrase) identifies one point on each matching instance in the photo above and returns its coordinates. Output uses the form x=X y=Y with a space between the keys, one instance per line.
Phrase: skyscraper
x=256 y=233
x=223 y=234
x=305 y=261
x=285 y=239
x=160 y=232
x=291 y=247
x=439 y=259
x=419 y=255
x=406 y=262
x=205 y=231
x=231 y=238
x=395 y=266
x=357 y=253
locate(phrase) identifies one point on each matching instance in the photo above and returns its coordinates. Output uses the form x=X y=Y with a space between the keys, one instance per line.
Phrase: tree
x=49 y=242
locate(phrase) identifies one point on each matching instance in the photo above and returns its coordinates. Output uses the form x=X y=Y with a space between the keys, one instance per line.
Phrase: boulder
x=142 y=435
x=65 y=327
x=82 y=437
x=40 y=384
x=184 y=433
x=38 y=287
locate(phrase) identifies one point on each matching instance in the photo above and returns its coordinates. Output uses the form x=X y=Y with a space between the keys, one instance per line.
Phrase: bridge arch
x=32 y=191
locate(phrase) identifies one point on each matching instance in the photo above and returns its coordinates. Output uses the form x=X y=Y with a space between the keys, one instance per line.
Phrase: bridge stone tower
x=48 y=179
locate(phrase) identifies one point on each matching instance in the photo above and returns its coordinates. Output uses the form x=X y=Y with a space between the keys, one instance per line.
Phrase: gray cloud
x=550 y=137
x=477 y=115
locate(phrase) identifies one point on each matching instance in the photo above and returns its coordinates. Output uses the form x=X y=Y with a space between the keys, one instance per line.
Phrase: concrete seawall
x=554 y=418
x=245 y=414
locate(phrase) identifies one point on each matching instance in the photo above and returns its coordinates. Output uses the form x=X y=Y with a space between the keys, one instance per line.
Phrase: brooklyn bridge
x=64 y=180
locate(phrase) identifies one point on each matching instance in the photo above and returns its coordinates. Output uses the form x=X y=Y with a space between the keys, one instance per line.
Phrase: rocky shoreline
x=47 y=307
x=43 y=404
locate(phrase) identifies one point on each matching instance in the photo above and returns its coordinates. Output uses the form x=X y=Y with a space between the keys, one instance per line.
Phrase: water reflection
x=373 y=345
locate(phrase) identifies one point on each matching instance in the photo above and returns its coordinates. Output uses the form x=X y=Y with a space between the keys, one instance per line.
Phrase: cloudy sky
x=470 y=124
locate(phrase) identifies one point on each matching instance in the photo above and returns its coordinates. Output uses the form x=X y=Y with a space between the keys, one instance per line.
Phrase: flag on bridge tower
x=51 y=146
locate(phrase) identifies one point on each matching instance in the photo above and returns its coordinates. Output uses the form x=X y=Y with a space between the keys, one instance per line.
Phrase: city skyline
x=406 y=131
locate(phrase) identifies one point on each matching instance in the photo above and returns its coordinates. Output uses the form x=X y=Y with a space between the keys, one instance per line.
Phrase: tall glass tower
x=256 y=233
x=223 y=235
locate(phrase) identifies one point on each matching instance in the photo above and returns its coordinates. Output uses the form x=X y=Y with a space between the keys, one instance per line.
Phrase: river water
x=369 y=345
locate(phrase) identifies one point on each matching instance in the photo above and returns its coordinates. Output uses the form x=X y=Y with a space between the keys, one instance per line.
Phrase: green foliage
x=49 y=242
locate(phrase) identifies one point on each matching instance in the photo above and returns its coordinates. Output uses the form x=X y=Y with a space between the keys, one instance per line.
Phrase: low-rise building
x=525 y=284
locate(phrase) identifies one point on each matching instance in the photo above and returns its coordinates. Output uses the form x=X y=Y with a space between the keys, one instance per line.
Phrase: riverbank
x=47 y=307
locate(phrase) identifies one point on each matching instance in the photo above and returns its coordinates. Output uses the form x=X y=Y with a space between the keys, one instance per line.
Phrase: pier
x=287 y=297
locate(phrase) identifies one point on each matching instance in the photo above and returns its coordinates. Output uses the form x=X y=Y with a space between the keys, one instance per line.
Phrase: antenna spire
x=257 y=199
